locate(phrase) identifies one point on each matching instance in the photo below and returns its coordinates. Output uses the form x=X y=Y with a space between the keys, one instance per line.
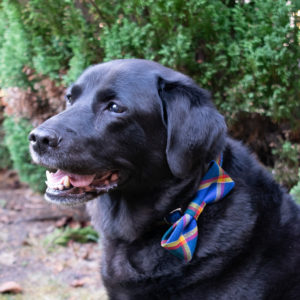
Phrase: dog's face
x=126 y=122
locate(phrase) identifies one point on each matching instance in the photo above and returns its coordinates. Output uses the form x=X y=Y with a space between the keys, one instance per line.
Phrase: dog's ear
x=196 y=130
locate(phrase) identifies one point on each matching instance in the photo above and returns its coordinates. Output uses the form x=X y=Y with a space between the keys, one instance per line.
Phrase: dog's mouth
x=65 y=188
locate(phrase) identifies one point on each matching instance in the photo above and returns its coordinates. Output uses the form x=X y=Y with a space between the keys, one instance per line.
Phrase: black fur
x=249 y=243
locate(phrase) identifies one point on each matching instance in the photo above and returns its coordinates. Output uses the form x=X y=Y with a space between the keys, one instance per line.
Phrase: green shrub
x=286 y=163
x=295 y=191
x=50 y=37
x=245 y=53
x=17 y=143
x=14 y=46
x=5 y=161
x=61 y=38
x=63 y=236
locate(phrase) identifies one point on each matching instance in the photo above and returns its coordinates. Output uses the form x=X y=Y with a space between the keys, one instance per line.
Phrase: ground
x=41 y=269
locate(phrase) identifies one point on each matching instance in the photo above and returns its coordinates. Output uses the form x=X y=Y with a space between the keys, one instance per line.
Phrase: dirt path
x=43 y=270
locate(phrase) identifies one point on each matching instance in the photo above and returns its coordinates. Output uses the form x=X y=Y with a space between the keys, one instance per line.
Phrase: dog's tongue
x=75 y=179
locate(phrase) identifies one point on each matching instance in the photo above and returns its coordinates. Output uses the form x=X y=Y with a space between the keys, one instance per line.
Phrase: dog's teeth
x=60 y=187
x=66 y=181
x=106 y=182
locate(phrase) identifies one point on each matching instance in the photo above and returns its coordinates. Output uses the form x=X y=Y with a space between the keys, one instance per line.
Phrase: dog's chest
x=145 y=265
x=152 y=273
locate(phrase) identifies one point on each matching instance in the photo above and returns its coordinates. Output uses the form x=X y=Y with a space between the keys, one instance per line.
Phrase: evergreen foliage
x=62 y=236
x=17 y=143
x=245 y=52
x=14 y=46
x=5 y=161
x=295 y=191
x=286 y=165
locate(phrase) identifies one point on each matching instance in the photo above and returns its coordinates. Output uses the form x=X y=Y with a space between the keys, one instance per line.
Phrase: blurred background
x=245 y=52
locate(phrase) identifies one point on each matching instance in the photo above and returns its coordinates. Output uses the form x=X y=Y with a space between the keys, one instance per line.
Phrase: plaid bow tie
x=181 y=238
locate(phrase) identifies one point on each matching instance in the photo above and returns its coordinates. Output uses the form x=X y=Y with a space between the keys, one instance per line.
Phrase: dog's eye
x=68 y=98
x=113 y=107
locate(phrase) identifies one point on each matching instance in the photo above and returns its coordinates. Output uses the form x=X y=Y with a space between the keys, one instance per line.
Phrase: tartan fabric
x=181 y=237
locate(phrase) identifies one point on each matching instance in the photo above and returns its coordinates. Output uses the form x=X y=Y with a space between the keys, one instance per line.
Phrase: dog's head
x=126 y=122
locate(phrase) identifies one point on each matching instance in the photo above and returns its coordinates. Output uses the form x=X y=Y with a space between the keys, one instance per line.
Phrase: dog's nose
x=42 y=139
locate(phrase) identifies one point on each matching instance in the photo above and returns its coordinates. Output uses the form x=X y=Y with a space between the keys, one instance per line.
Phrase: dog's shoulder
x=253 y=234
x=275 y=235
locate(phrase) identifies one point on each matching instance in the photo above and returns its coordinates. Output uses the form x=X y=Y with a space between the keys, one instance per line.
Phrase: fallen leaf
x=61 y=222
x=77 y=283
x=58 y=267
x=26 y=242
x=10 y=287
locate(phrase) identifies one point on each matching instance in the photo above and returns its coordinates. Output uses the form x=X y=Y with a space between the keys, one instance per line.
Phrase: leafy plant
x=295 y=191
x=286 y=163
x=63 y=236
x=5 y=161
x=245 y=52
x=14 y=45
x=17 y=144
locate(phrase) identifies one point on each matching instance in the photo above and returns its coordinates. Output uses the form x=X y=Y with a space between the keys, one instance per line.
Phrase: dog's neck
x=127 y=215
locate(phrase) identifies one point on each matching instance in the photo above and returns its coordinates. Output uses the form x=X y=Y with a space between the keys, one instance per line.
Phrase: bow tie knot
x=181 y=237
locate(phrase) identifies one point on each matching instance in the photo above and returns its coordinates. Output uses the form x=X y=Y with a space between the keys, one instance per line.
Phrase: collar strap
x=181 y=237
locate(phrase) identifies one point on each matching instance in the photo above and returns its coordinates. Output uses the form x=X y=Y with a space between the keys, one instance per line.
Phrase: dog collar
x=181 y=237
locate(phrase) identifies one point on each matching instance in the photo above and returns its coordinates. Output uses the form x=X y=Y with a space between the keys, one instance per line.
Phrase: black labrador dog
x=137 y=138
